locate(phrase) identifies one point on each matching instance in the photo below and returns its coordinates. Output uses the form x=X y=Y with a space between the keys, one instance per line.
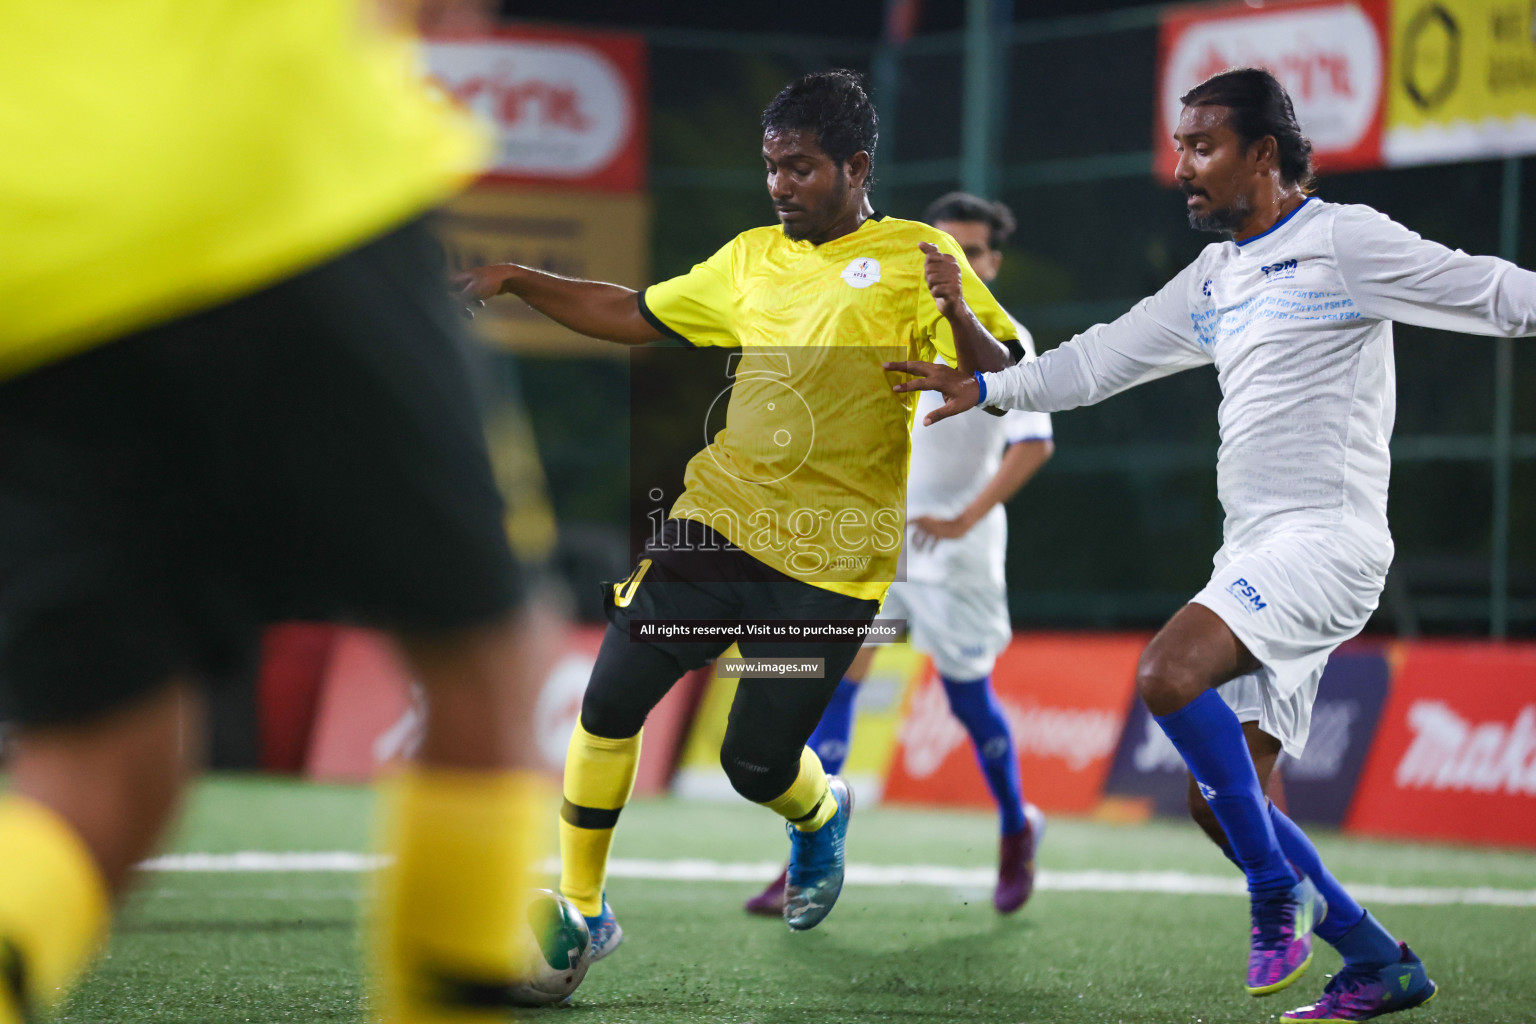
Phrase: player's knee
x=1163 y=683
x=757 y=777
x=606 y=712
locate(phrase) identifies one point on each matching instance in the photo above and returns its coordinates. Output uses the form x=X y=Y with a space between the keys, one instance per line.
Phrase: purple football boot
x=1361 y=993
x=1281 y=945
x=770 y=902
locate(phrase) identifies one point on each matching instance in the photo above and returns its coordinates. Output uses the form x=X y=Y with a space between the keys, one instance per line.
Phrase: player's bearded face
x=1213 y=165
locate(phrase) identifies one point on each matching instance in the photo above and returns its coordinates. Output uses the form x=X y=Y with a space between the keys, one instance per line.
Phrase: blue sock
x=1210 y=739
x=1346 y=927
x=976 y=706
x=835 y=730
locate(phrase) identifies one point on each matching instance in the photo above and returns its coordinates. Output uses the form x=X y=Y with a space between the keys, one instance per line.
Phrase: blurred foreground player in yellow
x=230 y=393
x=795 y=510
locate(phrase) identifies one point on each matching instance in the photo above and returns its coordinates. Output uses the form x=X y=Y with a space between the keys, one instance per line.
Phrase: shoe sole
x=1434 y=990
x=1285 y=982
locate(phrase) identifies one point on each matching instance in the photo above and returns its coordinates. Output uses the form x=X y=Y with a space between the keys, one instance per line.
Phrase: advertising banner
x=878 y=711
x=1065 y=698
x=1455 y=755
x=371 y=711
x=1316 y=787
x=1319 y=785
x=1147 y=768
x=1330 y=55
x=596 y=236
x=569 y=107
x=1463 y=80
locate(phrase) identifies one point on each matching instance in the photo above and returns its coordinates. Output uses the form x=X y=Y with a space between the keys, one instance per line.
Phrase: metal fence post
x=1503 y=416
x=987 y=25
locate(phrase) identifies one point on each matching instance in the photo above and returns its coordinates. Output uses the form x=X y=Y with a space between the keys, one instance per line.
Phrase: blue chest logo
x=1281 y=271
x=1247 y=593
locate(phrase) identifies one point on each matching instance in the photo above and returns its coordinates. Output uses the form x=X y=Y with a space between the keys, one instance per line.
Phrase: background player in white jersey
x=1295 y=312
x=954 y=597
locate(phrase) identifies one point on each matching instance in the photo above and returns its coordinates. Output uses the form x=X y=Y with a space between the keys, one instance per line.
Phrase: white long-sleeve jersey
x=1298 y=322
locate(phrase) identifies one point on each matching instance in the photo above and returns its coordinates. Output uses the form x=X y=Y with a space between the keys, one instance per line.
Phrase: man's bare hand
x=473 y=286
x=942 y=272
x=958 y=387
x=927 y=531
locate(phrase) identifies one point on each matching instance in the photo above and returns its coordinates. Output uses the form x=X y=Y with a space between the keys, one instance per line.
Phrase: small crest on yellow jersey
x=862 y=272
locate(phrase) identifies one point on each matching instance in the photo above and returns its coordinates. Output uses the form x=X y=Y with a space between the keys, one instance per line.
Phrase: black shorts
x=696 y=575
x=310 y=451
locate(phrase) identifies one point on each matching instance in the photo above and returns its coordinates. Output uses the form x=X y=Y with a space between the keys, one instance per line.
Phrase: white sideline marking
x=1171 y=882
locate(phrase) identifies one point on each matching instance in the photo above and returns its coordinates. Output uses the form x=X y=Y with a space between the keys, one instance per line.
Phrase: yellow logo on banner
x=1462 y=82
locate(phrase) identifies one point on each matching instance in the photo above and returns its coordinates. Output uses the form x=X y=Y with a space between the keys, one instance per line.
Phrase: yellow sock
x=599 y=776
x=806 y=804
x=453 y=905
x=54 y=908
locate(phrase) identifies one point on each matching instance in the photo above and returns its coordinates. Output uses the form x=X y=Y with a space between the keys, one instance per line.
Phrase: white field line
x=937 y=876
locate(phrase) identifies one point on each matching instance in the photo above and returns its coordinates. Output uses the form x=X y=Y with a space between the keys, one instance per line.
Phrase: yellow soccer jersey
x=161 y=156
x=809 y=474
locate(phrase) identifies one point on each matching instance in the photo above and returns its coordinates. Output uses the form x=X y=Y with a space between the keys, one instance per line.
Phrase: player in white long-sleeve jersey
x=1295 y=311
x=954 y=598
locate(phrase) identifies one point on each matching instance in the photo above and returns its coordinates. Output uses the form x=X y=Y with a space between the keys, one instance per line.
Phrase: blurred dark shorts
x=309 y=451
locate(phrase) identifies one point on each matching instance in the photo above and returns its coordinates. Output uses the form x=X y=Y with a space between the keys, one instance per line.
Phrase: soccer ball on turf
x=558 y=943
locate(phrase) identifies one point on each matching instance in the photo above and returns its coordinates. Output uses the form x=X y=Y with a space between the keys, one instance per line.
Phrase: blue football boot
x=816 y=863
x=606 y=933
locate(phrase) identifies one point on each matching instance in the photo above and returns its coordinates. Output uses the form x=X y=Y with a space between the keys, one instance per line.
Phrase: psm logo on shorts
x=1282 y=271
x=1247 y=593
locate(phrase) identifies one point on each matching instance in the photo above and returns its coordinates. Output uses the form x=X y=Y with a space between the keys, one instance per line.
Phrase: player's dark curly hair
x=969 y=209
x=1260 y=106
x=834 y=107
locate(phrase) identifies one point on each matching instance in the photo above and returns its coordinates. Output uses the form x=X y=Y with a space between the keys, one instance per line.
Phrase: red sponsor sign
x=569 y=108
x=1331 y=56
x=1065 y=698
x=371 y=712
x=1455 y=754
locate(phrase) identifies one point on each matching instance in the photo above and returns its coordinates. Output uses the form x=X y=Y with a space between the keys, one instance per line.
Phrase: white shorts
x=1291 y=599
x=962 y=629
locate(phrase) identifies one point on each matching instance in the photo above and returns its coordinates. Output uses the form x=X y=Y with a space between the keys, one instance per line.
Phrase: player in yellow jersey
x=231 y=392
x=795 y=510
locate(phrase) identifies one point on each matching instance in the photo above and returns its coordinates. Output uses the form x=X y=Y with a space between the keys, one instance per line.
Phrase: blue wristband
x=981 y=382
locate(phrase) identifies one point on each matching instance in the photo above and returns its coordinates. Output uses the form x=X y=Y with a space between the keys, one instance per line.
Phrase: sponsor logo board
x=1455 y=756
x=371 y=711
x=1317 y=786
x=566 y=107
x=1462 y=84
x=1065 y=699
x=1331 y=57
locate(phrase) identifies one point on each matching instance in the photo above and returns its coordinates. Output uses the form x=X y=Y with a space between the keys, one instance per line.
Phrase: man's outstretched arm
x=1148 y=342
x=597 y=309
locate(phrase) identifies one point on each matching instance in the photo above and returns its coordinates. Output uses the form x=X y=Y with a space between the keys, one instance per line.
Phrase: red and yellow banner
x=1331 y=56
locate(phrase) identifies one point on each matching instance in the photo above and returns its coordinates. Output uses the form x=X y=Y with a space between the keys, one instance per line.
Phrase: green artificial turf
x=215 y=948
